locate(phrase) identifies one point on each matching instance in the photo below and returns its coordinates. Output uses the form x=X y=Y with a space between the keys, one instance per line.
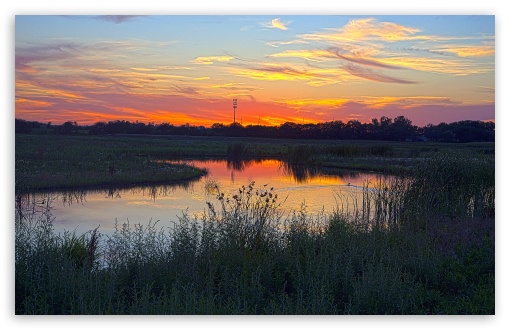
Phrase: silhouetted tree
x=67 y=128
x=398 y=129
x=98 y=128
x=24 y=126
x=402 y=129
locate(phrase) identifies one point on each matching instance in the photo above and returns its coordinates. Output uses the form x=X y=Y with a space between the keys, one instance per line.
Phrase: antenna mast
x=235 y=107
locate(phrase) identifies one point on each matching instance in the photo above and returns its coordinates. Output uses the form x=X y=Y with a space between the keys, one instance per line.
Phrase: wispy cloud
x=212 y=59
x=27 y=56
x=469 y=51
x=408 y=102
x=366 y=42
x=361 y=60
x=274 y=72
x=186 y=90
x=284 y=43
x=312 y=76
x=439 y=65
x=33 y=103
x=367 y=29
x=313 y=55
x=487 y=89
x=369 y=74
x=313 y=103
x=276 y=24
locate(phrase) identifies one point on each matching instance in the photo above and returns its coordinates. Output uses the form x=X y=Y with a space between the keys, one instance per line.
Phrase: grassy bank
x=49 y=162
x=423 y=245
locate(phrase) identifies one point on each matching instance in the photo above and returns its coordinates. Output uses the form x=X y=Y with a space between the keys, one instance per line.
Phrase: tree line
x=397 y=129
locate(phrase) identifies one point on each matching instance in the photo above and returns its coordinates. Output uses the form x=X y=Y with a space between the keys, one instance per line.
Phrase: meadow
x=423 y=243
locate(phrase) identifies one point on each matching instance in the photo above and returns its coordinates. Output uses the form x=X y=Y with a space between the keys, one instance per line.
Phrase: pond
x=315 y=189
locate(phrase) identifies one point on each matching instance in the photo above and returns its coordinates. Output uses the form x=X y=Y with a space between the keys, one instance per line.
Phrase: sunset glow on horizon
x=303 y=69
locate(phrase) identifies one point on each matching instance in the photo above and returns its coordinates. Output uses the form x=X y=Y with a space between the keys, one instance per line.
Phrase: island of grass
x=56 y=162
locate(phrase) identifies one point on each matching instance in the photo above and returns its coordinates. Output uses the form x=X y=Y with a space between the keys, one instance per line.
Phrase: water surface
x=317 y=189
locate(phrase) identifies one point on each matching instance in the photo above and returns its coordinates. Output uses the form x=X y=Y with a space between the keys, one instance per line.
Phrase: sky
x=181 y=69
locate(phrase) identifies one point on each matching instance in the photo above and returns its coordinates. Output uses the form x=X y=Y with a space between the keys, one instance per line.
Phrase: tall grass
x=398 y=249
x=304 y=153
x=238 y=151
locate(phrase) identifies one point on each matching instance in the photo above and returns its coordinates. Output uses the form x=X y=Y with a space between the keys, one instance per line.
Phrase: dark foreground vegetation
x=420 y=244
x=384 y=129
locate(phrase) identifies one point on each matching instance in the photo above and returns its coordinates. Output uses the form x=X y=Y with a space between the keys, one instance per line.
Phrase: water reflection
x=299 y=173
x=84 y=210
x=67 y=197
x=303 y=173
x=152 y=191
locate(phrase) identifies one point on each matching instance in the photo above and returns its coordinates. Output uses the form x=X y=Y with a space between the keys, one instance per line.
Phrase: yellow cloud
x=311 y=55
x=470 y=51
x=300 y=103
x=277 y=24
x=286 y=72
x=437 y=65
x=274 y=121
x=367 y=29
x=211 y=59
x=273 y=73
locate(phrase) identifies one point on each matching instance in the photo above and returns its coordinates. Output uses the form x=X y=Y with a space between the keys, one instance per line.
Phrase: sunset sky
x=304 y=69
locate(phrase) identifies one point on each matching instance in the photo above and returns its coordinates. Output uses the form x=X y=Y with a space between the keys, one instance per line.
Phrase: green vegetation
x=68 y=162
x=420 y=244
x=50 y=161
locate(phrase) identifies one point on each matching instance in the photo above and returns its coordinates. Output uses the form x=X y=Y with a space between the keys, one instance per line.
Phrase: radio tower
x=235 y=107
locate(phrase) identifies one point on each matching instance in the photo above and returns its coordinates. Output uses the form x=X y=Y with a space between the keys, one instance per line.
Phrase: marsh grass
x=238 y=150
x=400 y=248
x=304 y=153
x=50 y=162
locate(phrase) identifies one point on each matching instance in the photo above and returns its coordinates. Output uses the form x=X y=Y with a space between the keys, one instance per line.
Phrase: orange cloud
x=30 y=104
x=64 y=94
